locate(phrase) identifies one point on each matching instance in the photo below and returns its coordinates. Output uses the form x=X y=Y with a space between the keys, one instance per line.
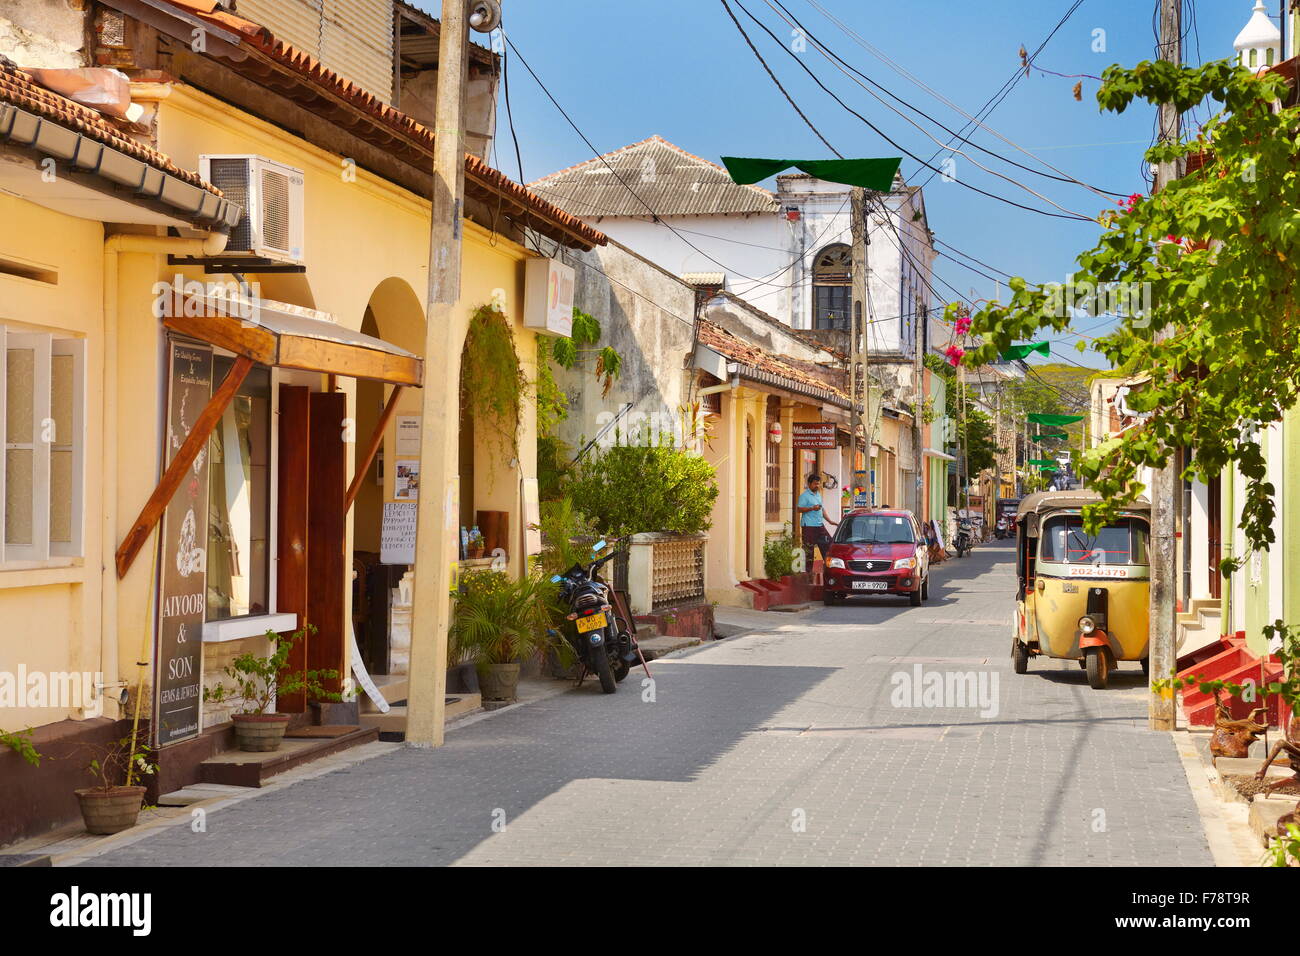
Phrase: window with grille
x=832 y=287
x=773 y=460
x=42 y=434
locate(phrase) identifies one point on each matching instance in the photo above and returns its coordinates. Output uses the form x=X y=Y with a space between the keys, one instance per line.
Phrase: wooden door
x=291 y=527
x=327 y=564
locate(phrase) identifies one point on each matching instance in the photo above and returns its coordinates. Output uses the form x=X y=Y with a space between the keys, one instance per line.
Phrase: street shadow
x=431 y=807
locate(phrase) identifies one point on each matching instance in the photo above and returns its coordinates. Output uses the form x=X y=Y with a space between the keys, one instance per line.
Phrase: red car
x=877 y=552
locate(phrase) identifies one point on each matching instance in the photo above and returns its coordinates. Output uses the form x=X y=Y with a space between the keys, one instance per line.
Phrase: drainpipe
x=1227 y=497
x=114 y=246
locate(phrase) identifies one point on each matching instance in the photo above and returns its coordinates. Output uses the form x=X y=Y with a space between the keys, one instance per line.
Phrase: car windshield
x=875 y=529
x=1124 y=542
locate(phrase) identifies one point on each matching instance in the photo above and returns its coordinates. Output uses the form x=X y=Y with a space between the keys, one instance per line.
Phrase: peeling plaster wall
x=49 y=34
x=651 y=328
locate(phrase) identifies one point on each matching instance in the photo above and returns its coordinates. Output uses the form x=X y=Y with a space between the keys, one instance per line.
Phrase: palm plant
x=502 y=621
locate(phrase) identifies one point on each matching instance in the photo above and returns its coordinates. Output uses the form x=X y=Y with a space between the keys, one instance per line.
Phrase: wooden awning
x=288 y=336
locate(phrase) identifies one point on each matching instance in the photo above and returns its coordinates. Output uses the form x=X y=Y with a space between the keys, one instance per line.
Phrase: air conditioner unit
x=271 y=195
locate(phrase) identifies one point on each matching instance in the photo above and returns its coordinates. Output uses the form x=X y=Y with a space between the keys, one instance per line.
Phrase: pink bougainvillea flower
x=954 y=353
x=963 y=324
x=1129 y=203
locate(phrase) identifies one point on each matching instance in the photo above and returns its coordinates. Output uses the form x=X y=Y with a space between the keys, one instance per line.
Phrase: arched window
x=832 y=284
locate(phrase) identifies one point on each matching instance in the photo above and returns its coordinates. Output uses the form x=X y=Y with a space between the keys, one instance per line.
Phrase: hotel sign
x=182 y=585
x=813 y=434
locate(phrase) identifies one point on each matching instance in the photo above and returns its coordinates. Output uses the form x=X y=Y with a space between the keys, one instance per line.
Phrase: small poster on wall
x=406 y=483
x=397 y=538
x=408 y=435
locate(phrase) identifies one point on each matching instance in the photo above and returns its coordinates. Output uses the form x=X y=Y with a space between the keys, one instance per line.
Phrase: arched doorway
x=388 y=490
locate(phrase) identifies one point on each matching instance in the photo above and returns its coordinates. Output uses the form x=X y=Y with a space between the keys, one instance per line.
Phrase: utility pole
x=860 y=384
x=918 y=411
x=1162 y=625
x=857 y=276
x=439 y=452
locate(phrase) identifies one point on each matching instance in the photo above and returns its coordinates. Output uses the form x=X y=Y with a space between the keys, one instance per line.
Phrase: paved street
x=781 y=747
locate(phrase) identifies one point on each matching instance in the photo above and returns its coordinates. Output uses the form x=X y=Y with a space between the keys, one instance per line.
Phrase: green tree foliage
x=629 y=489
x=1216 y=250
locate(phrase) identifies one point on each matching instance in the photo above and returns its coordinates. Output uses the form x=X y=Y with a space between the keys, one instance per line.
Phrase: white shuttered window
x=42 y=434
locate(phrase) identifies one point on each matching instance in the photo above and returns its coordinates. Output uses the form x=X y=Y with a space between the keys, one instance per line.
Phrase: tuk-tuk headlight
x=905 y=563
x=835 y=563
x=1087 y=625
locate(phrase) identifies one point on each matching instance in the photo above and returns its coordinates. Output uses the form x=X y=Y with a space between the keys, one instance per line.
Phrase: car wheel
x=829 y=599
x=925 y=588
x=915 y=598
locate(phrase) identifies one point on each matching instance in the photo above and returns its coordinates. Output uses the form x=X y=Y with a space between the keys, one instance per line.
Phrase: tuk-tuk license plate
x=871 y=585
x=591 y=622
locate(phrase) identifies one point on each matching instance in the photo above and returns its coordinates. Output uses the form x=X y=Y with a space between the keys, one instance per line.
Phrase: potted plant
x=500 y=623
x=256 y=683
x=108 y=807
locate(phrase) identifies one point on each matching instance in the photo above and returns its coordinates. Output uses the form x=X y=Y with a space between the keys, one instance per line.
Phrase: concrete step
x=392 y=686
x=241 y=769
x=1265 y=813
x=392 y=725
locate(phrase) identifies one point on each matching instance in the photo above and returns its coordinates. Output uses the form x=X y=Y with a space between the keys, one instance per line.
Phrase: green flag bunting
x=877 y=174
x=1021 y=351
x=1061 y=435
x=1048 y=471
x=1043 y=462
x=1057 y=420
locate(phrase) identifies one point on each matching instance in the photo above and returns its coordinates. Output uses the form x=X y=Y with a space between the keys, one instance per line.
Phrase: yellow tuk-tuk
x=1081 y=597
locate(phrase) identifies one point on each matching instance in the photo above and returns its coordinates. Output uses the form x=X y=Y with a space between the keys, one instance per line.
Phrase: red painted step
x=1227 y=660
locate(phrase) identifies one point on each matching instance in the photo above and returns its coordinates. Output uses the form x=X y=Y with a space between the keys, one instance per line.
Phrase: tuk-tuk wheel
x=1019 y=656
x=1146 y=667
x=1098 y=667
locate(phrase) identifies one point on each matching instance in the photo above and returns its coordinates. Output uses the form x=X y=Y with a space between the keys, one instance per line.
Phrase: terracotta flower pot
x=260 y=732
x=110 y=811
x=499 y=681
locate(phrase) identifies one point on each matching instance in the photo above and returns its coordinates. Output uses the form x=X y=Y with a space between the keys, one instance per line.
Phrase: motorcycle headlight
x=1087 y=624
x=905 y=563
x=835 y=563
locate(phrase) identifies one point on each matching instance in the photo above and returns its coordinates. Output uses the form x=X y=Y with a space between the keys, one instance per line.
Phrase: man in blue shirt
x=812 y=520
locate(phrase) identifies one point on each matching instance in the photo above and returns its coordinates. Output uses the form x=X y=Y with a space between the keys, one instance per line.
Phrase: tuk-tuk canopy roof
x=1041 y=501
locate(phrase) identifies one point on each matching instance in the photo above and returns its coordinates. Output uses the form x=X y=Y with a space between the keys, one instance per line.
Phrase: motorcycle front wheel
x=604 y=671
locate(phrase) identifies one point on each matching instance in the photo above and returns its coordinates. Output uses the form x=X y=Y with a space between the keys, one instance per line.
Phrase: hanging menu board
x=182 y=586
x=397 y=537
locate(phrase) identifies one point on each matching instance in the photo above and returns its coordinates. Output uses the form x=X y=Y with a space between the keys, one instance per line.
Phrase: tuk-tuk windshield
x=1065 y=541
x=875 y=529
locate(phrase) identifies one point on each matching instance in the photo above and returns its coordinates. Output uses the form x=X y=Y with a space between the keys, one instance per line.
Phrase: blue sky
x=625 y=70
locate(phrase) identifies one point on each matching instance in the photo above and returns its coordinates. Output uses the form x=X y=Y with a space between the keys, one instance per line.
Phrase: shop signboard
x=182 y=584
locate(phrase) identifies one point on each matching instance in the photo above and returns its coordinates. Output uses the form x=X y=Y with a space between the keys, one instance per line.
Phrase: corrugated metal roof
x=666 y=178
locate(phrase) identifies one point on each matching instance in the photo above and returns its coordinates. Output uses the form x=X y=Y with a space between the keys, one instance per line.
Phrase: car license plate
x=591 y=622
x=871 y=585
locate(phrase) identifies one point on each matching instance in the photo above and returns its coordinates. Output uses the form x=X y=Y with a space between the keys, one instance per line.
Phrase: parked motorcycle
x=604 y=642
x=962 y=543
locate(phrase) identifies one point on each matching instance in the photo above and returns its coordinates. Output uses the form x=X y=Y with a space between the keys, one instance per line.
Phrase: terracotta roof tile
x=653 y=174
x=19 y=89
x=309 y=67
x=723 y=342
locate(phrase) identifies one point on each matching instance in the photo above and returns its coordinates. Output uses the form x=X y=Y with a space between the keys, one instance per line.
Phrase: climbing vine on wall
x=566 y=352
x=492 y=381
